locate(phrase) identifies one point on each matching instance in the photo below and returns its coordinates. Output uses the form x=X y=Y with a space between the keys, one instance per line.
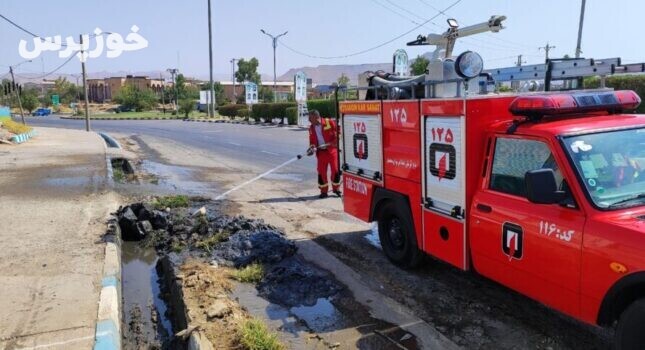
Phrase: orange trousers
x=328 y=158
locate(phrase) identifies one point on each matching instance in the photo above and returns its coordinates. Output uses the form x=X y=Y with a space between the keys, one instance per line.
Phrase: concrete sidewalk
x=54 y=202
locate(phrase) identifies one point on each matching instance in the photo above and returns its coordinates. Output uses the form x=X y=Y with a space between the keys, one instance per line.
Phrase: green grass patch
x=254 y=335
x=179 y=201
x=15 y=128
x=252 y=273
x=210 y=242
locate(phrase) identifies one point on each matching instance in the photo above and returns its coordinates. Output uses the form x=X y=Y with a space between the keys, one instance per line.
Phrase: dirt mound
x=245 y=247
x=293 y=282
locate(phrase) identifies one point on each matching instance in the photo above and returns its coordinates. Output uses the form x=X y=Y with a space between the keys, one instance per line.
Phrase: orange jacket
x=329 y=132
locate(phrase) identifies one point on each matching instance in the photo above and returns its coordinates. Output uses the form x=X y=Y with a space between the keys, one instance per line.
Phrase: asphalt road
x=263 y=146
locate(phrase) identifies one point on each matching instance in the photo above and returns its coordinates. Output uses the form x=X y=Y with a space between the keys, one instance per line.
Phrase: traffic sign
x=55 y=100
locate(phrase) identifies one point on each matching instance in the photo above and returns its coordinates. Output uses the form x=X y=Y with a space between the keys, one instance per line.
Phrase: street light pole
x=582 y=19
x=275 y=45
x=173 y=73
x=211 y=105
x=233 y=77
x=87 y=101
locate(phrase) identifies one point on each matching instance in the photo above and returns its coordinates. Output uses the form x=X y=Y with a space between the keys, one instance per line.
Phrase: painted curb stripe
x=107 y=336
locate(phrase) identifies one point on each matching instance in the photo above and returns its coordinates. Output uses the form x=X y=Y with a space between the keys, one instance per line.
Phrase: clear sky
x=177 y=30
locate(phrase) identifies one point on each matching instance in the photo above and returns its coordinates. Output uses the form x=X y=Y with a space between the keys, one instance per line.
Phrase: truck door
x=532 y=248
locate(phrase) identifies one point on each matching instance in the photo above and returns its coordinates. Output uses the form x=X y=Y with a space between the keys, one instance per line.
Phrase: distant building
x=102 y=90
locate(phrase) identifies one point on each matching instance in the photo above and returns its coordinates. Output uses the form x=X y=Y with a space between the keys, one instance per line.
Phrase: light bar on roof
x=572 y=103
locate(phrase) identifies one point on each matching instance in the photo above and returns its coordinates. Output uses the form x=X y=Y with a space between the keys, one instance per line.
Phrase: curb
x=129 y=118
x=245 y=123
x=108 y=325
x=20 y=138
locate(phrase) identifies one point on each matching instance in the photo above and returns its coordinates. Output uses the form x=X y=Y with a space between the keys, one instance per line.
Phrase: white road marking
x=213 y=132
x=271 y=153
x=58 y=343
x=234 y=144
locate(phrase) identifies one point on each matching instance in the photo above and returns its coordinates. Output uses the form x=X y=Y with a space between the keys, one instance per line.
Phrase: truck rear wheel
x=397 y=237
x=630 y=334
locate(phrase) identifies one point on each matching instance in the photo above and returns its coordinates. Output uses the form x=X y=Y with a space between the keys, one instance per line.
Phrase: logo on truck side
x=443 y=155
x=512 y=241
x=360 y=141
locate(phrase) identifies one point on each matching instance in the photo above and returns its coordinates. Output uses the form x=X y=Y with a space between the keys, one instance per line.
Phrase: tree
x=266 y=94
x=248 y=71
x=220 y=99
x=186 y=106
x=419 y=66
x=343 y=80
x=132 y=97
x=66 y=91
x=30 y=100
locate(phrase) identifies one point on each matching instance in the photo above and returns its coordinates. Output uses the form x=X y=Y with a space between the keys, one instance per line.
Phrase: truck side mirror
x=541 y=187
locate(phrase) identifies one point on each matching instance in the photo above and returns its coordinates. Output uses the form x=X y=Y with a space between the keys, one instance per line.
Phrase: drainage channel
x=146 y=324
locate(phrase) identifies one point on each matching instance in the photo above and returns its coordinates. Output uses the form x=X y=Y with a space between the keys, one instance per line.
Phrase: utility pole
x=233 y=75
x=13 y=79
x=515 y=85
x=211 y=105
x=173 y=72
x=163 y=94
x=87 y=101
x=275 y=45
x=582 y=19
x=546 y=49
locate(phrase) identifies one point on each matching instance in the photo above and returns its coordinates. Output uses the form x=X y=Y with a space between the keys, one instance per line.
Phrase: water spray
x=223 y=195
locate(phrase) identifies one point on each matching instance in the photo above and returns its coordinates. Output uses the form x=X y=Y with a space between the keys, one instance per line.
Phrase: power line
x=56 y=69
x=25 y=30
x=374 y=47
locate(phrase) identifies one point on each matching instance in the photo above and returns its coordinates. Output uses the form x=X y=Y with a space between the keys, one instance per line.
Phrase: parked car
x=41 y=112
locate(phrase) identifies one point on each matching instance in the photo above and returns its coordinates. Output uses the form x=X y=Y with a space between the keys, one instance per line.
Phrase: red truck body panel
x=571 y=270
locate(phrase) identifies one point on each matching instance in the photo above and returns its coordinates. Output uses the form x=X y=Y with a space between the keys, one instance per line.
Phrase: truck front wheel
x=630 y=333
x=397 y=237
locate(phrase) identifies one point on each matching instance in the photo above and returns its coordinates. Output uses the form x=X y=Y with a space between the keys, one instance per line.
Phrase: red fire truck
x=542 y=191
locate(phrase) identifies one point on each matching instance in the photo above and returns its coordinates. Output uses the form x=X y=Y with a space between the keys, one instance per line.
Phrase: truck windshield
x=611 y=166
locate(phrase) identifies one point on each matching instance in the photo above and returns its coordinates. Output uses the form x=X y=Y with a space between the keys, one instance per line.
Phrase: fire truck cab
x=543 y=192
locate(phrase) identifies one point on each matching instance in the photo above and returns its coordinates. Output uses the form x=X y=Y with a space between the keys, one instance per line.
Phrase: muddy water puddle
x=145 y=323
x=177 y=179
x=334 y=322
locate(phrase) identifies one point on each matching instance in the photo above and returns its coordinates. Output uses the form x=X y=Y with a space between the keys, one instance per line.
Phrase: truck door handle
x=484 y=208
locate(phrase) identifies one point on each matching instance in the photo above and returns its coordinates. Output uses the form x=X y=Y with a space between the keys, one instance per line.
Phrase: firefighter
x=323 y=137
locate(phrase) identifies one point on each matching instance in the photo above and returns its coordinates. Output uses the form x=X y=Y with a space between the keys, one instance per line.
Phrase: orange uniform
x=326 y=156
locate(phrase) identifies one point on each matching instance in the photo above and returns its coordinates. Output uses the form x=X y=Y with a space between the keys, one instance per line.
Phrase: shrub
x=243 y=113
x=327 y=108
x=269 y=111
x=186 y=106
x=231 y=110
x=625 y=82
x=132 y=97
x=254 y=335
x=292 y=115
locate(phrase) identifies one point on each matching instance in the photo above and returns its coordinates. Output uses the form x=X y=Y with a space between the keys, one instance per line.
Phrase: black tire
x=397 y=236
x=630 y=334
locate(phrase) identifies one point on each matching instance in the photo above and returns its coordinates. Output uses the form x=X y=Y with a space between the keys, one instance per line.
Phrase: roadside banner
x=300 y=83
x=204 y=97
x=400 y=62
x=251 y=92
